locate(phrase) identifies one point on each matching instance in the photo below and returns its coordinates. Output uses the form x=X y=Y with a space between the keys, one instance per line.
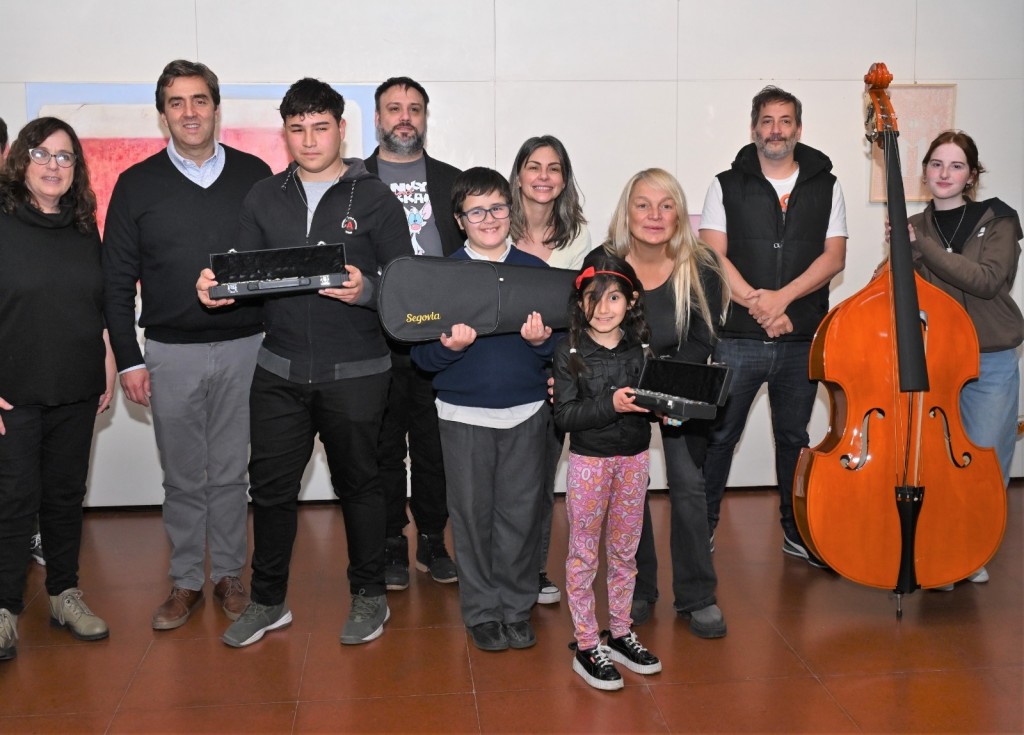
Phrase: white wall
x=626 y=85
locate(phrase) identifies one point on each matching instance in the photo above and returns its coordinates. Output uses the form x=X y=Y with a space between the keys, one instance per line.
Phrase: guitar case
x=422 y=296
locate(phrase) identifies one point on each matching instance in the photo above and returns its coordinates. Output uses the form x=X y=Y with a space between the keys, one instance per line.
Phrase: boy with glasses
x=490 y=392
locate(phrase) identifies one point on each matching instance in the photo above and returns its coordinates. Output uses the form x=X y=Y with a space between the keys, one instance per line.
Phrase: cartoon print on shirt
x=416 y=203
x=417 y=221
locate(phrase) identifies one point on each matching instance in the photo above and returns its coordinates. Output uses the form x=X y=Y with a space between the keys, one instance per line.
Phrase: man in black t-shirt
x=423 y=185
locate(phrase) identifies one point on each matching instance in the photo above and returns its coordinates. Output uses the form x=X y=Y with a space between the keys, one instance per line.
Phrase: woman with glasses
x=547 y=221
x=56 y=370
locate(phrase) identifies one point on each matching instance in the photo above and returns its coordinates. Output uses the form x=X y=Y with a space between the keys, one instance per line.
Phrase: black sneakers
x=547 y=591
x=396 y=562
x=793 y=545
x=629 y=652
x=596 y=667
x=432 y=556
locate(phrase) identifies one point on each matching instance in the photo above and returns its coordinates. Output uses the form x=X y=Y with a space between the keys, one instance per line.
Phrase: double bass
x=896 y=496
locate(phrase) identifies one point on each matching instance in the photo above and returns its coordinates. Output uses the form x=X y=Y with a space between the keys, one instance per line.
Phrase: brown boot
x=232 y=596
x=176 y=609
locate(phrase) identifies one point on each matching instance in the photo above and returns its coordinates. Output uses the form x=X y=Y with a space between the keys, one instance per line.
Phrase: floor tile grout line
x=128 y=686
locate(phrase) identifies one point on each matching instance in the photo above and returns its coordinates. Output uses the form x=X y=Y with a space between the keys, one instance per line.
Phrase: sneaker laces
x=363 y=608
x=73 y=603
x=8 y=631
x=635 y=647
x=602 y=659
x=435 y=546
x=251 y=611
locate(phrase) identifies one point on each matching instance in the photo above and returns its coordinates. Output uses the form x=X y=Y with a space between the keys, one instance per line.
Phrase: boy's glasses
x=479 y=214
x=43 y=156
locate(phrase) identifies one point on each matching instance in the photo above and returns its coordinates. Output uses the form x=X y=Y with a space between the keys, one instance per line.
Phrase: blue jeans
x=791 y=394
x=988 y=406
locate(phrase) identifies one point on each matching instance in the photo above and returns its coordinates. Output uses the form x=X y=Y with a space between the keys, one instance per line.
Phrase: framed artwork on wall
x=922 y=112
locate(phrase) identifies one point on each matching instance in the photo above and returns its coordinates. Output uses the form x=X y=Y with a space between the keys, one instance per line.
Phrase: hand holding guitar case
x=422 y=296
x=280 y=270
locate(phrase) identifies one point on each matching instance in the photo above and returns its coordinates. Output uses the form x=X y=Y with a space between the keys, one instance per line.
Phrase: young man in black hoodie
x=324 y=365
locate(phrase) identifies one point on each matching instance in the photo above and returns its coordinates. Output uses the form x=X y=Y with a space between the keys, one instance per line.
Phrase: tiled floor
x=806 y=651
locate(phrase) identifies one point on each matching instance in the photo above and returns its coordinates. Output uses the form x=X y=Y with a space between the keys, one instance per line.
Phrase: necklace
x=948 y=241
x=303 y=198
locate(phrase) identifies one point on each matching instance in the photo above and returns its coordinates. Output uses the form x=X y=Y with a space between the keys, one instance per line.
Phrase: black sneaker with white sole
x=796 y=548
x=632 y=654
x=547 y=592
x=596 y=667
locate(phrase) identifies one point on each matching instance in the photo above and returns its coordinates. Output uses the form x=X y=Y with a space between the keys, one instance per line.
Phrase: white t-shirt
x=713 y=216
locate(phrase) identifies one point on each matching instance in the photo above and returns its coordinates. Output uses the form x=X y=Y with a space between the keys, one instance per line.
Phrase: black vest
x=770 y=249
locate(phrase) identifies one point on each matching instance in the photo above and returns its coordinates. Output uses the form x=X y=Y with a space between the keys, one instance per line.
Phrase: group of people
x=239 y=389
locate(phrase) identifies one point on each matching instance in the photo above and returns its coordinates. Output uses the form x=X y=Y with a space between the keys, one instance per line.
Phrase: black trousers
x=694 y=580
x=44 y=462
x=411 y=413
x=284 y=419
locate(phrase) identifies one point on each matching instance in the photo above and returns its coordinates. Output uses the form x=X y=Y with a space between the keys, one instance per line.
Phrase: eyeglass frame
x=67 y=155
x=485 y=212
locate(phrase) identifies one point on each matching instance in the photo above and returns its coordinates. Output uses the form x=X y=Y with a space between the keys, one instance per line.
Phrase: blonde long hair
x=687 y=252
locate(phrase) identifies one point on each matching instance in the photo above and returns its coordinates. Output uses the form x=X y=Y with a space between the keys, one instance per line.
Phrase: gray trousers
x=200 y=408
x=495 y=480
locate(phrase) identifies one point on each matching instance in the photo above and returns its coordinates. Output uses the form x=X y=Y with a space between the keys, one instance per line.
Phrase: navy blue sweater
x=497 y=371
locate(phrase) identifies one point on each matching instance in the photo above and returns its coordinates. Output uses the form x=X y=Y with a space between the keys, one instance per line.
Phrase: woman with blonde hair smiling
x=686 y=295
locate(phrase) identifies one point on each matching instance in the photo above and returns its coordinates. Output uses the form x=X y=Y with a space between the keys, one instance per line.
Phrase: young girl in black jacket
x=596 y=368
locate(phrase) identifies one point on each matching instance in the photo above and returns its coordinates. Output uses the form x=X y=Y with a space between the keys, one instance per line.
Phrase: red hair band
x=589 y=272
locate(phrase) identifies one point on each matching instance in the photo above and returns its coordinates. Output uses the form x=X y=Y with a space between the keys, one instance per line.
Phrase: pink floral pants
x=600 y=488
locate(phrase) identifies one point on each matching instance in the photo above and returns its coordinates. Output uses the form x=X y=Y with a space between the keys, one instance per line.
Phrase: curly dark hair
x=600 y=273
x=13 y=191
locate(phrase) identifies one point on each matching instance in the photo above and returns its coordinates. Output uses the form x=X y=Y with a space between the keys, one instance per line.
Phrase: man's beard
x=788 y=146
x=394 y=143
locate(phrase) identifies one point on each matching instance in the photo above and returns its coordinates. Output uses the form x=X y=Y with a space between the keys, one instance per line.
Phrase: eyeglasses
x=43 y=156
x=479 y=214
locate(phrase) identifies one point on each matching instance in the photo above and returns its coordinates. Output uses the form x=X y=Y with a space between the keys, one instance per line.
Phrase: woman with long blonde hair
x=686 y=295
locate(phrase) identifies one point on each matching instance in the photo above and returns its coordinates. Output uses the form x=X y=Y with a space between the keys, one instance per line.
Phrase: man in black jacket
x=778 y=221
x=167 y=214
x=423 y=185
x=324 y=365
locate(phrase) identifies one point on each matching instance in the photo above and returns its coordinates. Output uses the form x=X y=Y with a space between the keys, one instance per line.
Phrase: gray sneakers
x=8 y=634
x=254 y=621
x=365 y=620
x=68 y=611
